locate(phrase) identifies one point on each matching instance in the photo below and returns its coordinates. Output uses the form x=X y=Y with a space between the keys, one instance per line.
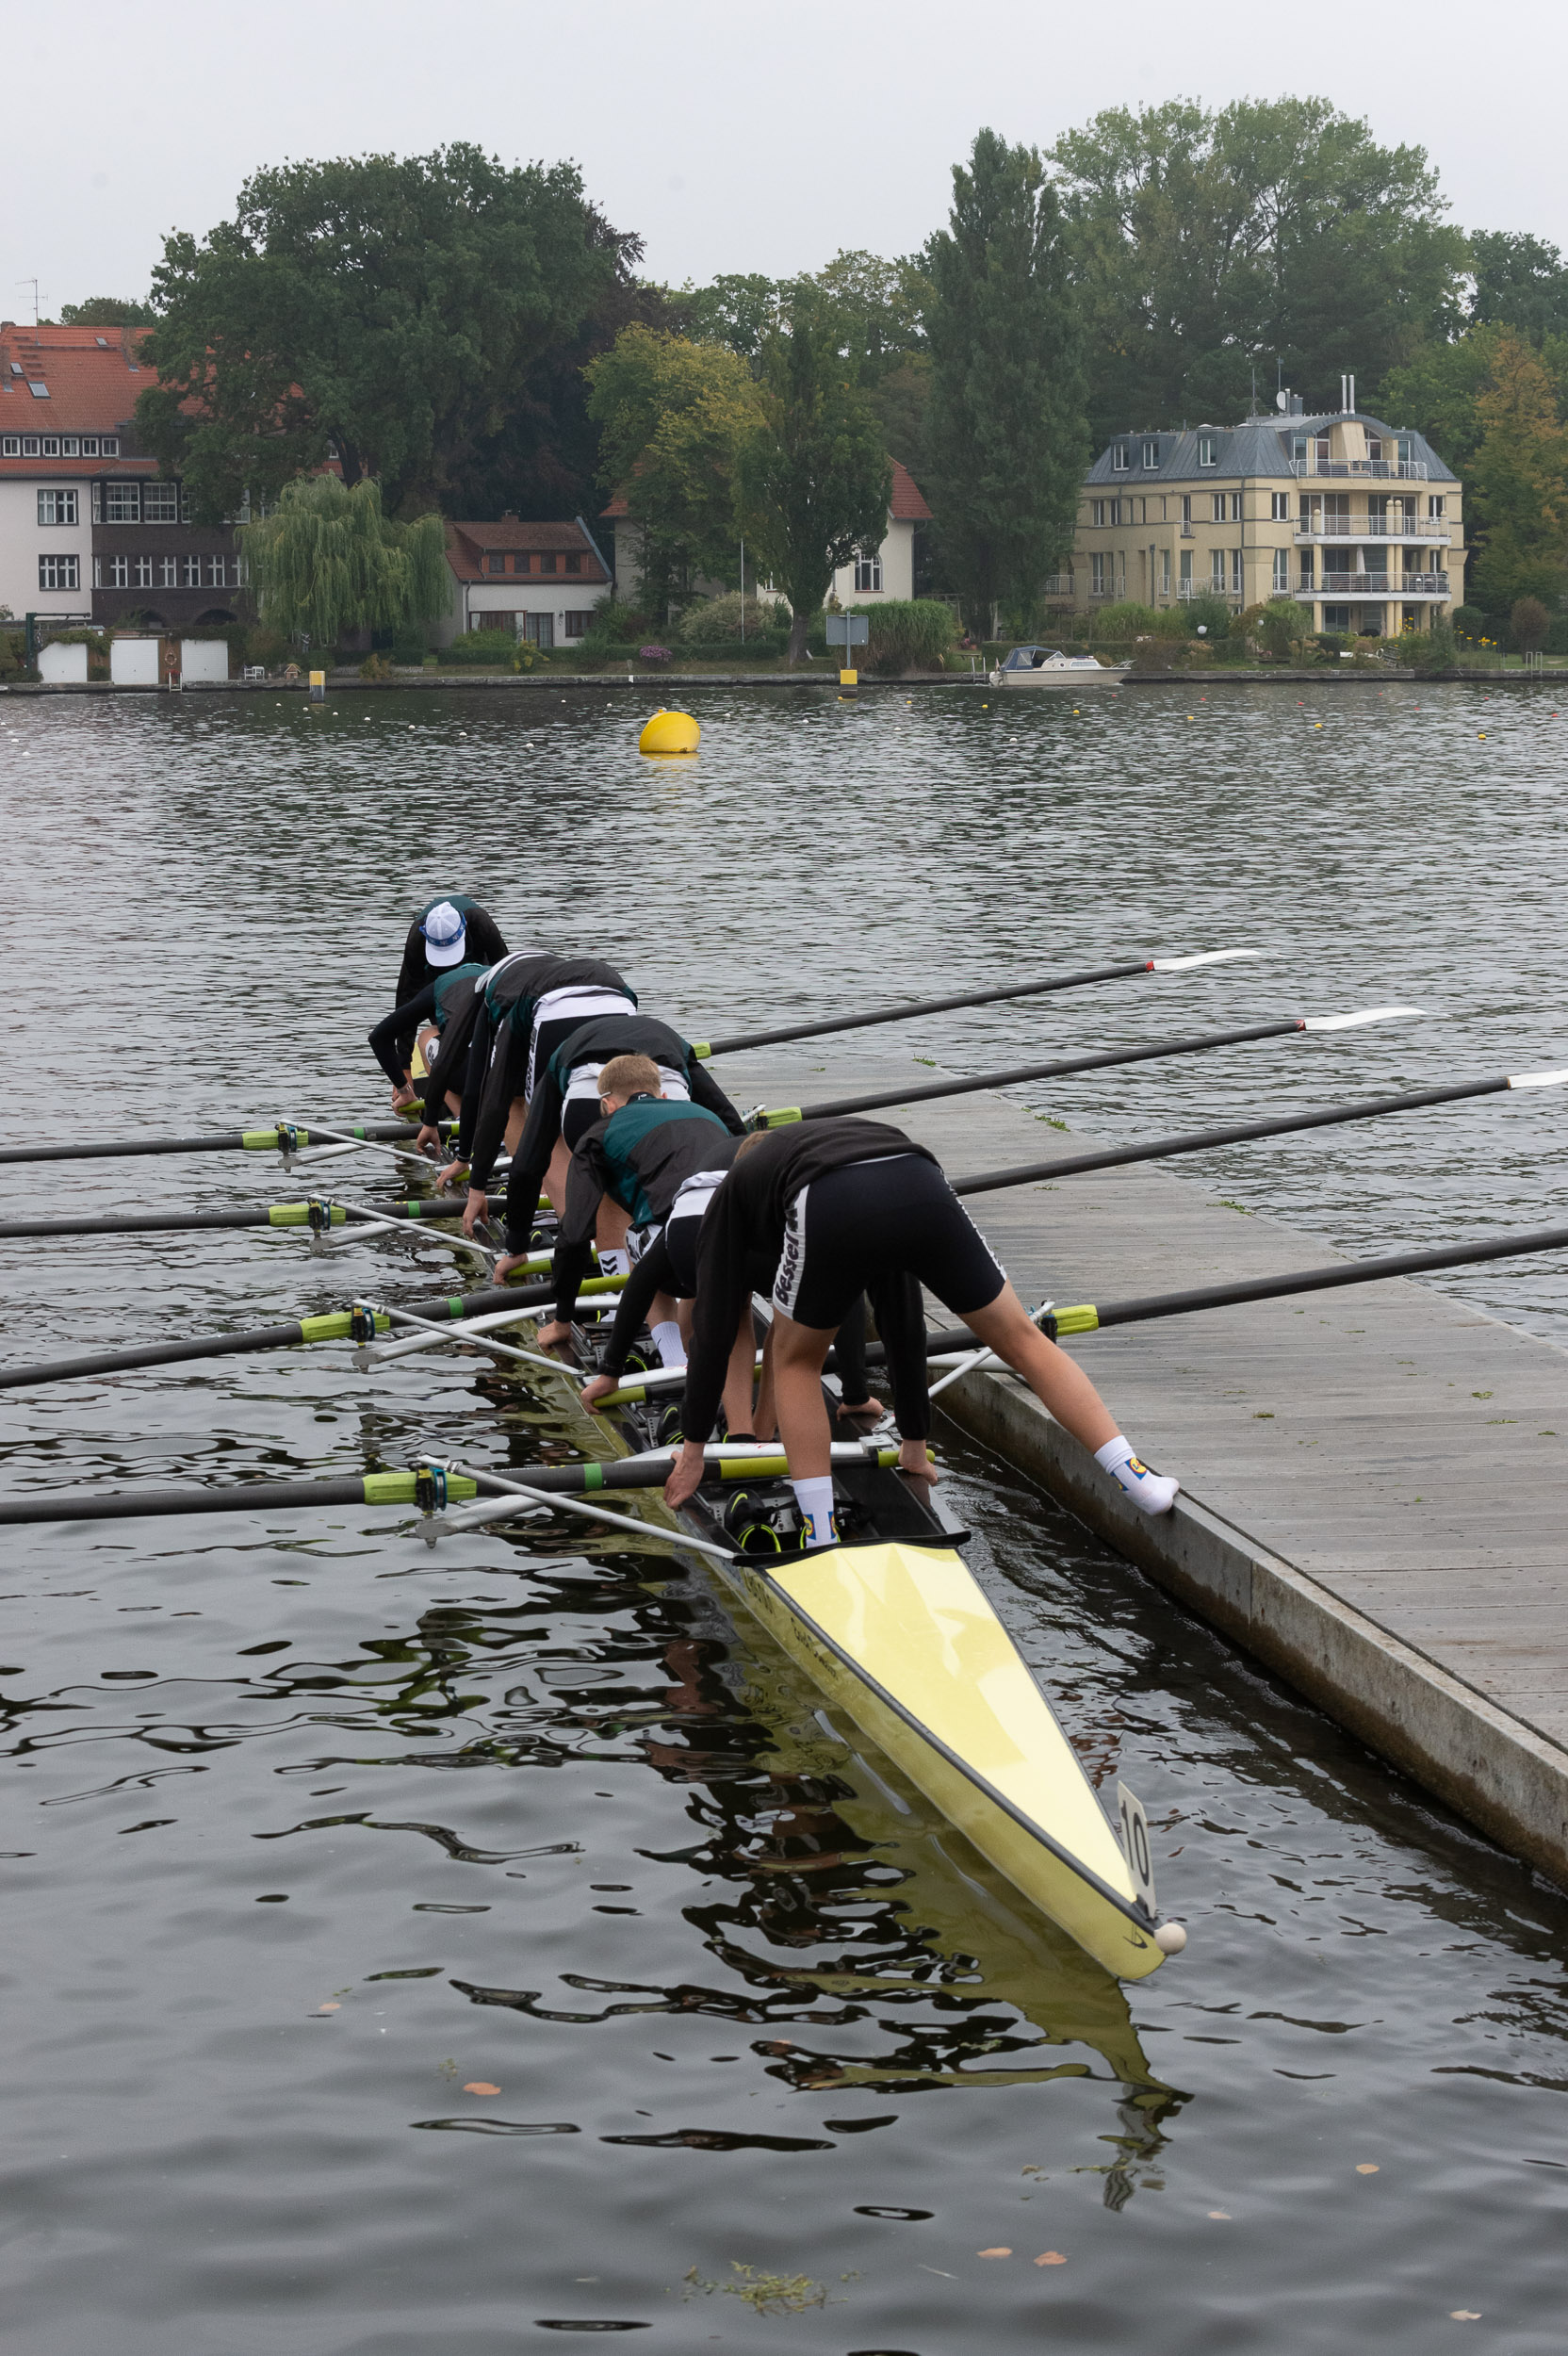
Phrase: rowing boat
x=893 y=1626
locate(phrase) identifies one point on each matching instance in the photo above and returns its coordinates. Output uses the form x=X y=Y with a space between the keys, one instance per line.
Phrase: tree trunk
x=799 y=624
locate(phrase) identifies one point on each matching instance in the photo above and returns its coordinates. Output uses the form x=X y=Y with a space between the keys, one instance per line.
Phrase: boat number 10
x=1134 y=1844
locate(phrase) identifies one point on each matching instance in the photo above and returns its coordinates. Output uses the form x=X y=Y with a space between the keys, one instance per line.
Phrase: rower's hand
x=428 y=1141
x=686 y=1474
x=474 y=1209
x=599 y=1386
x=403 y=1096
x=451 y=1174
x=504 y=1265
x=914 y=1459
x=552 y=1336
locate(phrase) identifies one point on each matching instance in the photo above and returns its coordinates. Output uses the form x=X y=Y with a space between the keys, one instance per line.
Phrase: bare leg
x=1004 y=1325
x=514 y=1121
x=738 y=1376
x=611 y=1227
x=555 y=1177
x=799 y=1353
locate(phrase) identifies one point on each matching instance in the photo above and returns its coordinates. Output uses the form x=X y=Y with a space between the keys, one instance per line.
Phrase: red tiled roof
x=468 y=545
x=90 y=373
x=907 y=505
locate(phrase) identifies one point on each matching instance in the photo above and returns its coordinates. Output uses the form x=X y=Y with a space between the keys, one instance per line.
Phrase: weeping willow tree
x=329 y=562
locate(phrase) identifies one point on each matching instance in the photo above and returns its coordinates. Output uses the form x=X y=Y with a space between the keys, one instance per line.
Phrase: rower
x=845 y=1205
x=565 y=1105
x=533 y=1001
x=452 y=930
x=446 y=1000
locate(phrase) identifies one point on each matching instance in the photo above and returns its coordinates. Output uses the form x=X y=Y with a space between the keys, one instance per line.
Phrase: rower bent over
x=850 y=1205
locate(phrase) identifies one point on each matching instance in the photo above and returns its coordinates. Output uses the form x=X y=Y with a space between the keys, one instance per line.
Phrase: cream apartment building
x=1360 y=523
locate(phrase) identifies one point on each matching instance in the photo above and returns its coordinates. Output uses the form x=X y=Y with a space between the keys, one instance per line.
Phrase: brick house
x=89 y=526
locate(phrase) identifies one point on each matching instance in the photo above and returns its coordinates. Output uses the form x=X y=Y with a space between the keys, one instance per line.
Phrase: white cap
x=446 y=934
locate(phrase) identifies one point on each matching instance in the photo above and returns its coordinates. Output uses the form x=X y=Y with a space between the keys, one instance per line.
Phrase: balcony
x=1377 y=470
x=1373 y=528
x=1057 y=586
x=1336 y=587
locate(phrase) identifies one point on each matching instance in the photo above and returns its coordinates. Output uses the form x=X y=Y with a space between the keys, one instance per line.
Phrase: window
x=1279 y=507
x=121 y=502
x=1281 y=572
x=495 y=565
x=10 y=445
x=71 y=446
x=1098 y=511
x=1120 y=457
x=1217 y=507
x=216 y=572
x=119 y=572
x=1151 y=453
x=573 y=563
x=1186 y=508
x=1097 y=574
x=1205 y=449
x=57 y=507
x=160 y=503
x=192 y=572
x=108 y=445
x=1236 y=574
x=1337 y=618
x=1235 y=507
x=1375 y=447
x=547 y=563
x=170 y=572
x=1217 y=572
x=97 y=572
x=58 y=572
x=1162 y=509
x=868 y=574
x=522 y=564
x=144 y=572
x=1306 y=568
x=1186 y=572
x=1402 y=445
x=1435 y=507
x=30 y=446
x=89 y=445
x=51 y=445
x=578 y=623
x=1165 y=572
x=38 y=390
x=241 y=573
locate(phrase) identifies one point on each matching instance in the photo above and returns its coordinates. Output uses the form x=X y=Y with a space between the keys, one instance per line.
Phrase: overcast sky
x=732 y=138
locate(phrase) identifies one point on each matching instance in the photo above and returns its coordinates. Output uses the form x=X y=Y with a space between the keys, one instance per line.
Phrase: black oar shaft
x=929 y=1006
x=255 y=1214
x=1318 y=1280
x=216 y=1141
x=1239 y=1133
x=1100 y=1061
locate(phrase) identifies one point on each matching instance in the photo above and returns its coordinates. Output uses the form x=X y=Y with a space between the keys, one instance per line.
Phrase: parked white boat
x=1047 y=666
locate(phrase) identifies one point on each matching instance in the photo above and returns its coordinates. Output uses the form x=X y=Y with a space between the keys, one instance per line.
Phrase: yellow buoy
x=670 y=732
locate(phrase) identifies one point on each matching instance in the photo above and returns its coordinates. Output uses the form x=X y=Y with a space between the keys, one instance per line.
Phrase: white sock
x=1154 y=1492
x=671 y=1349
x=615 y=1263
x=815 y=1499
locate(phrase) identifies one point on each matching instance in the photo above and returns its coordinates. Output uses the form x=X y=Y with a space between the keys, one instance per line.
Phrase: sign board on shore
x=848 y=629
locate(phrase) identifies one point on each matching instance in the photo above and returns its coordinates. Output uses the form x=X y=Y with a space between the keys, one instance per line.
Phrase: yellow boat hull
x=906 y=1641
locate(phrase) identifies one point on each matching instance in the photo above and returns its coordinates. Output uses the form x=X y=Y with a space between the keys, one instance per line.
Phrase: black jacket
x=483 y=946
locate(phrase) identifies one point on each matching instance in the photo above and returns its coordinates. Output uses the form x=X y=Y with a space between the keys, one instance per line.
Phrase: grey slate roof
x=1259 y=446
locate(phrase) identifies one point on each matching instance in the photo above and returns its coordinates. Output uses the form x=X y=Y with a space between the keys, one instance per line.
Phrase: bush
x=1159 y=654
x=1531 y=621
x=1170 y=623
x=375 y=666
x=408 y=646
x=1470 y=622
x=268 y=648
x=1277 y=628
x=497 y=649
x=1211 y=616
x=1433 y=649
x=907 y=634
x=1127 y=620
x=717 y=620
x=653 y=654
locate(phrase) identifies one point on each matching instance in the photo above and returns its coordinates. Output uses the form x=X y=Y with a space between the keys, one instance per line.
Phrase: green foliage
x=1127 y=620
x=1171 y=621
x=408 y=646
x=375 y=666
x=1469 y=621
x=1279 y=628
x=1530 y=621
x=812 y=480
x=1006 y=440
x=739 y=309
x=1211 y=616
x=390 y=307
x=1433 y=649
x=485 y=650
x=1207 y=243
x=106 y=311
x=672 y=417
x=907 y=634
x=330 y=561
x=715 y=621
x=1521 y=479
x=1437 y=391
x=1519 y=281
x=268 y=646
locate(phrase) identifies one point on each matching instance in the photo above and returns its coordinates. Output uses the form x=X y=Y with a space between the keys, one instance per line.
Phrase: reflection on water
x=414 y=1949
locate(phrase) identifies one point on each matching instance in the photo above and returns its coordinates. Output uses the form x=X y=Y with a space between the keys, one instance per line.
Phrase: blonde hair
x=631 y=1076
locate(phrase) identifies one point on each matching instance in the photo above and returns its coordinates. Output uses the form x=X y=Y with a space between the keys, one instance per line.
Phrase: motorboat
x=1047 y=666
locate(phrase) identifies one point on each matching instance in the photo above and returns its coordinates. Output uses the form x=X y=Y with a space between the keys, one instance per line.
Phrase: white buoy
x=1170 y=1938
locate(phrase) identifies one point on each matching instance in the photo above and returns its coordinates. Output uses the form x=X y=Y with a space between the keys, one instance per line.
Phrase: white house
x=887 y=571
x=541 y=581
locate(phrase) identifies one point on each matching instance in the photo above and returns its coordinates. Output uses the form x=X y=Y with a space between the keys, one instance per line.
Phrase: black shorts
x=578 y=1115
x=846 y=1232
x=549 y=1036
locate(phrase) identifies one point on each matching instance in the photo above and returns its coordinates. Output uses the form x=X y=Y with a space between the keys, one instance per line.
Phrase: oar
x=320 y=1214
x=1101 y=1060
x=360 y=1324
x=430 y=1486
x=970 y=998
x=1239 y=1133
x=283 y=1136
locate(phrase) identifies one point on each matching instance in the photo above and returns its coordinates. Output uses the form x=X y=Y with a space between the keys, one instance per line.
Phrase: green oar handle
x=245 y=1496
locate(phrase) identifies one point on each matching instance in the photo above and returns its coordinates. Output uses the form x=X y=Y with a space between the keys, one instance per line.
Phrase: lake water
x=308 y=1833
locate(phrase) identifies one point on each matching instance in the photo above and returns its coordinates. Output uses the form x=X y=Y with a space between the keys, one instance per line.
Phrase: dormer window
x=1151 y=453
x=1374 y=446
x=522 y=564
x=496 y=564
x=1403 y=448
x=547 y=563
x=1121 y=457
x=1205 y=449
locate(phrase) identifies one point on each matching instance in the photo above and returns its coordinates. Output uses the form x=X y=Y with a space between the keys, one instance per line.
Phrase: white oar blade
x=1539 y=1080
x=1204 y=957
x=1355 y=1022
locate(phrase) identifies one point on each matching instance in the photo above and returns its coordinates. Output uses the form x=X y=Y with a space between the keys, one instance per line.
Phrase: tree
x=106 y=311
x=1531 y=621
x=387 y=309
x=1272 y=234
x=1519 y=281
x=329 y=560
x=672 y=415
x=740 y=308
x=1437 y=390
x=1520 y=475
x=813 y=480
x=1007 y=442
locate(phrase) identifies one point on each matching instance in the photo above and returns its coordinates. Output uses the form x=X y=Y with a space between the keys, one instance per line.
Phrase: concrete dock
x=1374 y=1500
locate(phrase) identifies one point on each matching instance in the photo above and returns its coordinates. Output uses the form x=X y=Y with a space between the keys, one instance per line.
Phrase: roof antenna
x=33 y=283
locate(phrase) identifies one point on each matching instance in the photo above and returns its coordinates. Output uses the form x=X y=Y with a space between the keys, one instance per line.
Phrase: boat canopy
x=1031 y=658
